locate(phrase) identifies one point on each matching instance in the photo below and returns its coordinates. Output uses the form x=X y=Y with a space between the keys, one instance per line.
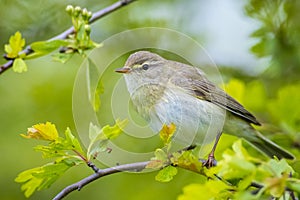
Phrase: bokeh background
x=254 y=43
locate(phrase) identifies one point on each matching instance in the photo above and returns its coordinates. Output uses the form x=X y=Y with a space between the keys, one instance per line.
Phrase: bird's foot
x=210 y=162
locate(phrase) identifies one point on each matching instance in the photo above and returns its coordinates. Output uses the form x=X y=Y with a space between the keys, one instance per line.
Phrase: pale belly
x=197 y=121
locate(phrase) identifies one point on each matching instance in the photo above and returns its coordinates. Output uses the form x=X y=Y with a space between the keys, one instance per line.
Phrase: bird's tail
x=265 y=145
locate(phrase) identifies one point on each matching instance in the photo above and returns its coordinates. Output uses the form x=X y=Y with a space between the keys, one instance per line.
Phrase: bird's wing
x=200 y=87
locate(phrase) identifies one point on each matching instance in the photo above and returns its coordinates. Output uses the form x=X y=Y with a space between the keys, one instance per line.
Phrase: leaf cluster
x=66 y=152
x=278 y=34
x=78 y=41
x=240 y=176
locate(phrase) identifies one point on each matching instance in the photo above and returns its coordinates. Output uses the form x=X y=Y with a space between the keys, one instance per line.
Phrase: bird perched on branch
x=165 y=91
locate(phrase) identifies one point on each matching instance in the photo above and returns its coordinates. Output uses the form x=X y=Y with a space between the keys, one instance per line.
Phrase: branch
x=97 y=15
x=135 y=167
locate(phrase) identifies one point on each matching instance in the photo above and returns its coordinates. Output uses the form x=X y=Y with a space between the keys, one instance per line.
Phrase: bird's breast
x=146 y=97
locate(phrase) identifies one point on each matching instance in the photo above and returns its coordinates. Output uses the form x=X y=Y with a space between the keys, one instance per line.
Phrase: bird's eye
x=145 y=66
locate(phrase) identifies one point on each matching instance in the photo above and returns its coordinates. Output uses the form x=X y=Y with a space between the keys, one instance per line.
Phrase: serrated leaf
x=72 y=142
x=279 y=167
x=52 y=150
x=19 y=65
x=43 y=177
x=111 y=132
x=166 y=174
x=16 y=44
x=102 y=136
x=42 y=131
x=167 y=132
x=187 y=160
x=101 y=147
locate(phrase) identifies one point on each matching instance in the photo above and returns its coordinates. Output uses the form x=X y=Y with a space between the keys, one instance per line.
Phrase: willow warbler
x=165 y=91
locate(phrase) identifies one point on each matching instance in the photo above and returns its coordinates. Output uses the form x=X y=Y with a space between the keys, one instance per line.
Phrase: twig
x=100 y=173
x=97 y=15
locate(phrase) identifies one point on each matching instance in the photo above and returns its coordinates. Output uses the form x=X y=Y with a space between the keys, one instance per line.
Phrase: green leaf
x=212 y=189
x=276 y=185
x=159 y=161
x=43 y=177
x=260 y=49
x=236 y=164
x=285 y=108
x=58 y=147
x=102 y=136
x=71 y=142
x=96 y=100
x=187 y=160
x=166 y=174
x=278 y=168
x=95 y=86
x=81 y=34
x=111 y=132
x=19 y=65
x=294 y=185
x=62 y=57
x=48 y=46
x=16 y=44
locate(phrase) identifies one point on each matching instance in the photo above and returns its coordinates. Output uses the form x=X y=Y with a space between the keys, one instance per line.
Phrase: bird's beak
x=123 y=70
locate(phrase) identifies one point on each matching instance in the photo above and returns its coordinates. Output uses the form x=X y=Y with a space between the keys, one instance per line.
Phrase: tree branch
x=97 y=15
x=135 y=167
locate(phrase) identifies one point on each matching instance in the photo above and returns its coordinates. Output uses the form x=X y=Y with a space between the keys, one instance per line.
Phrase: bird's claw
x=210 y=162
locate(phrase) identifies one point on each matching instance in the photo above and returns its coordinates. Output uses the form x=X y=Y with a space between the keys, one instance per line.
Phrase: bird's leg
x=210 y=162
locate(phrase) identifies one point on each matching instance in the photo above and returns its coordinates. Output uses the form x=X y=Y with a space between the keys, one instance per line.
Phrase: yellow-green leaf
x=16 y=44
x=212 y=189
x=187 y=160
x=42 y=131
x=48 y=46
x=19 y=65
x=43 y=177
x=276 y=185
x=167 y=132
x=112 y=132
x=166 y=174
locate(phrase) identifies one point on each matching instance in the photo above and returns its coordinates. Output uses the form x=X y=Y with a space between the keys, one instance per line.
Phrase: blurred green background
x=254 y=42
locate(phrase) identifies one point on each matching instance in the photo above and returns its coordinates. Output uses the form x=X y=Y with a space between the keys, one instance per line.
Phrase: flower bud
x=70 y=9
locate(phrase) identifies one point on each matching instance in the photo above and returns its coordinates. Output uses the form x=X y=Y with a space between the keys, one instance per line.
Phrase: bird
x=165 y=91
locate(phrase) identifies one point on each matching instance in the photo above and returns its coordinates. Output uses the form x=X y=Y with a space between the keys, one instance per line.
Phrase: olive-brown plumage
x=165 y=91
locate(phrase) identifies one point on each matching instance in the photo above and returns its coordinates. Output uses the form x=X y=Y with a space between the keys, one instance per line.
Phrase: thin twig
x=97 y=15
x=135 y=167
